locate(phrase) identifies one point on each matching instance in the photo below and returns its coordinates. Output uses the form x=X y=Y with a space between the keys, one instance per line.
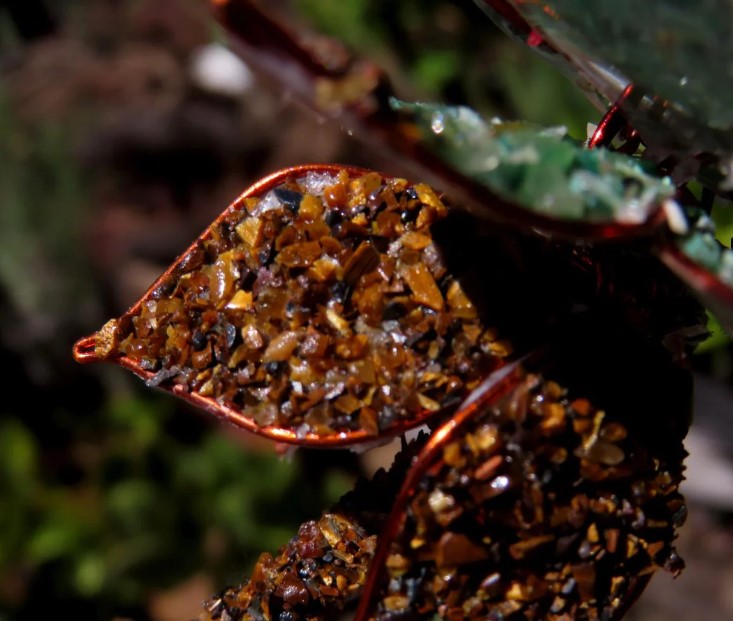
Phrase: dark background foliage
x=116 y=501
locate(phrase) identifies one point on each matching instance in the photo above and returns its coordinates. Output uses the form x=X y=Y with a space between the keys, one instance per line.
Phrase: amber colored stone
x=364 y=259
x=585 y=579
x=335 y=195
x=459 y=303
x=452 y=455
x=423 y=286
x=416 y=241
x=554 y=417
x=603 y=452
x=299 y=255
x=242 y=300
x=457 y=549
x=428 y=196
x=311 y=207
x=613 y=432
x=251 y=230
x=368 y=420
x=281 y=347
x=522 y=548
x=487 y=469
x=107 y=339
x=292 y=590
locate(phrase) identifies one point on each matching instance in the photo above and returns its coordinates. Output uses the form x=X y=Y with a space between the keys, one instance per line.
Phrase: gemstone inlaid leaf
x=316 y=306
x=532 y=501
x=536 y=505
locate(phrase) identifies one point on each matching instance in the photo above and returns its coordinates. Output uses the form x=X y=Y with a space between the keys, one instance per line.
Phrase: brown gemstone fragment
x=522 y=548
x=423 y=286
x=299 y=255
x=242 y=300
x=292 y=590
x=281 y=347
x=584 y=575
x=456 y=549
x=459 y=302
x=317 y=307
x=107 y=339
x=363 y=260
x=251 y=230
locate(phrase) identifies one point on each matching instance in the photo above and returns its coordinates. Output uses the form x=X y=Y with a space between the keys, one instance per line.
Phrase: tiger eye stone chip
x=322 y=306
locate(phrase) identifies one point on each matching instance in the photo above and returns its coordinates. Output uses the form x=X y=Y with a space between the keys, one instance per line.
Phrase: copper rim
x=497 y=385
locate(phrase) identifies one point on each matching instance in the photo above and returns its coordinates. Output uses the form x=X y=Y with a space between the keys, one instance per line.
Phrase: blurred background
x=125 y=127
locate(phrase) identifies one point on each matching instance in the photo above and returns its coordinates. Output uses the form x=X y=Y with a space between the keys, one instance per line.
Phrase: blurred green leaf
x=346 y=20
x=434 y=69
x=90 y=574
x=337 y=484
x=722 y=215
x=539 y=93
x=18 y=456
x=717 y=340
x=140 y=420
x=59 y=535
x=132 y=505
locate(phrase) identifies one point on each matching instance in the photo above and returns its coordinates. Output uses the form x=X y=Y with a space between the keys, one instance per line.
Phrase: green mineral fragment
x=702 y=246
x=540 y=169
x=704 y=249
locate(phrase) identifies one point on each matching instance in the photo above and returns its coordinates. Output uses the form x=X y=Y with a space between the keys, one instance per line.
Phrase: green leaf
x=90 y=574
x=347 y=20
x=133 y=505
x=18 y=456
x=717 y=340
x=722 y=215
x=58 y=536
x=435 y=68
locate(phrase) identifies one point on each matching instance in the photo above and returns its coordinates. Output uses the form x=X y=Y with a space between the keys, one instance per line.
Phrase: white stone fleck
x=269 y=202
x=315 y=182
x=217 y=69
x=675 y=217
